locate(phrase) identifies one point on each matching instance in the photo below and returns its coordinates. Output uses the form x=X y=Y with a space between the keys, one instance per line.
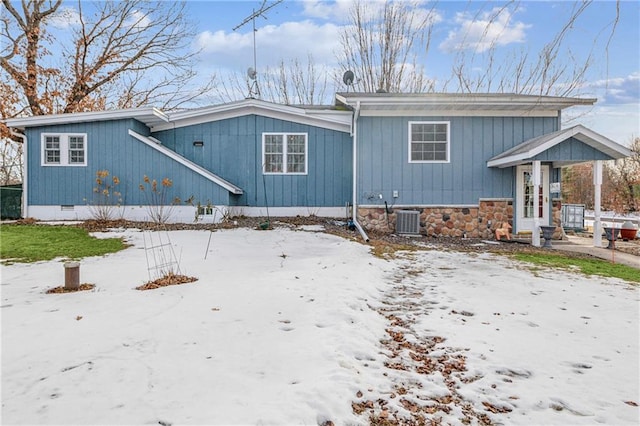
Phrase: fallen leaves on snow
x=167 y=280
x=63 y=289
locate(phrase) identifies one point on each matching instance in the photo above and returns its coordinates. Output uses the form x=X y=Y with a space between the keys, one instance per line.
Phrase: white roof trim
x=459 y=100
x=147 y=115
x=330 y=119
x=435 y=111
x=191 y=165
x=542 y=143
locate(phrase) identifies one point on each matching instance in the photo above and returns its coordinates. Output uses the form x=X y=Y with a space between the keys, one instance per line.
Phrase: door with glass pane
x=525 y=198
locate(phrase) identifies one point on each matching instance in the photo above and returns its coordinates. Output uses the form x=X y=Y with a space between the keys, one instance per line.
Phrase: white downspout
x=354 y=133
x=25 y=207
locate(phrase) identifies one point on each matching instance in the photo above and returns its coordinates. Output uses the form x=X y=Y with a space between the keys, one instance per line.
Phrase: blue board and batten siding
x=232 y=149
x=383 y=163
x=572 y=150
x=110 y=147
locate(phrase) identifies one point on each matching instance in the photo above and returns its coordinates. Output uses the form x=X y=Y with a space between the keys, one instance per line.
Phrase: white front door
x=524 y=198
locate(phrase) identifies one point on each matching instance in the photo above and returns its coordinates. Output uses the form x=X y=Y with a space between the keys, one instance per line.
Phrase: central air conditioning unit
x=408 y=222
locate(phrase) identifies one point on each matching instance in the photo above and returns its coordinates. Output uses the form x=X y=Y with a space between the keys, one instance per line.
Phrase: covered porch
x=537 y=163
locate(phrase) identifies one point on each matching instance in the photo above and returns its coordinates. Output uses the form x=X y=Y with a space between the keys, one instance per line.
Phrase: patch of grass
x=385 y=250
x=587 y=266
x=32 y=243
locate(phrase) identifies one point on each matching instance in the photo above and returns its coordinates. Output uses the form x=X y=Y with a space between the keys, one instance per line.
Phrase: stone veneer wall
x=492 y=213
x=470 y=222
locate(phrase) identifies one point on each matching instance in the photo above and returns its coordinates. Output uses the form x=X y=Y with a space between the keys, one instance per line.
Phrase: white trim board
x=328 y=119
x=182 y=214
x=177 y=214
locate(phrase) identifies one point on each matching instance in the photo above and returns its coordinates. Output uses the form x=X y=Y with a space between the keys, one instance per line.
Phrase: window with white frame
x=429 y=142
x=52 y=149
x=64 y=149
x=284 y=153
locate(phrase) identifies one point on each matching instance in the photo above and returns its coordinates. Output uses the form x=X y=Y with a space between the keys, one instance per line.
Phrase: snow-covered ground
x=293 y=326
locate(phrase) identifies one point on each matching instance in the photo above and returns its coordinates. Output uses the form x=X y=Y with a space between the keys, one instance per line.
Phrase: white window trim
x=284 y=153
x=448 y=160
x=64 y=150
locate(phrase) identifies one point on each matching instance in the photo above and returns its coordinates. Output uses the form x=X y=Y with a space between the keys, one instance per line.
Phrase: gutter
x=25 y=207
x=354 y=133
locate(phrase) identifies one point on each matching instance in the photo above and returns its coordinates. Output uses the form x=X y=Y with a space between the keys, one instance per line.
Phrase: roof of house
x=527 y=150
x=326 y=116
x=336 y=116
x=498 y=104
x=148 y=115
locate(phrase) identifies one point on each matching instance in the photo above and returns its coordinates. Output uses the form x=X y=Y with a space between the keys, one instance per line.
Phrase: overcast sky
x=295 y=29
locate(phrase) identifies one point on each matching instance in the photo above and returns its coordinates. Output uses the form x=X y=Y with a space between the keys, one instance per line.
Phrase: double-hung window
x=284 y=153
x=52 y=149
x=64 y=149
x=76 y=149
x=429 y=142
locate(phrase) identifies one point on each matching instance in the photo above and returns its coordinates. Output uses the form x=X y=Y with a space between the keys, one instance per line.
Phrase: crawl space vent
x=408 y=222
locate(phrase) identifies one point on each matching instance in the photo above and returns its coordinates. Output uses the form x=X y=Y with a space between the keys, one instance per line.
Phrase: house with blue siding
x=433 y=164
x=235 y=159
x=463 y=164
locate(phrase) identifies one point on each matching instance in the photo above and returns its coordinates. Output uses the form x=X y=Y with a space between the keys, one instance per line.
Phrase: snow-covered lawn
x=292 y=326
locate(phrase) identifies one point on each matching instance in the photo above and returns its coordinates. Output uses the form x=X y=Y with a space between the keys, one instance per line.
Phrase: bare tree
x=381 y=42
x=11 y=159
x=557 y=69
x=620 y=183
x=577 y=184
x=625 y=177
x=296 y=83
x=122 y=54
x=290 y=83
x=10 y=162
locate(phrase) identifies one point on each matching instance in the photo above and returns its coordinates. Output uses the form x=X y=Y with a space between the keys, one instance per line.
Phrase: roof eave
x=479 y=100
x=147 y=115
x=334 y=119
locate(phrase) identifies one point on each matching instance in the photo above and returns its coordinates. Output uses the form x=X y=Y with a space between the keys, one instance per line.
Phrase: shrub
x=106 y=198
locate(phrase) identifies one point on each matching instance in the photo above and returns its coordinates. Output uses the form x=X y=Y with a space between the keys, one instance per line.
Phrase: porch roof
x=543 y=148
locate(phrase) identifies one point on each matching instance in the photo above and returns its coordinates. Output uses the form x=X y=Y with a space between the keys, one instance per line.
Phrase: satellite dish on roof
x=251 y=73
x=348 y=77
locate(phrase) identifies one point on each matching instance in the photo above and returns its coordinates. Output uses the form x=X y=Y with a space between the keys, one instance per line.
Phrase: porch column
x=535 y=234
x=597 y=185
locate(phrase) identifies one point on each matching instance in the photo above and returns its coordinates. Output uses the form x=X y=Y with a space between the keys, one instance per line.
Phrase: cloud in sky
x=619 y=90
x=139 y=20
x=64 y=18
x=482 y=31
x=339 y=10
x=273 y=44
